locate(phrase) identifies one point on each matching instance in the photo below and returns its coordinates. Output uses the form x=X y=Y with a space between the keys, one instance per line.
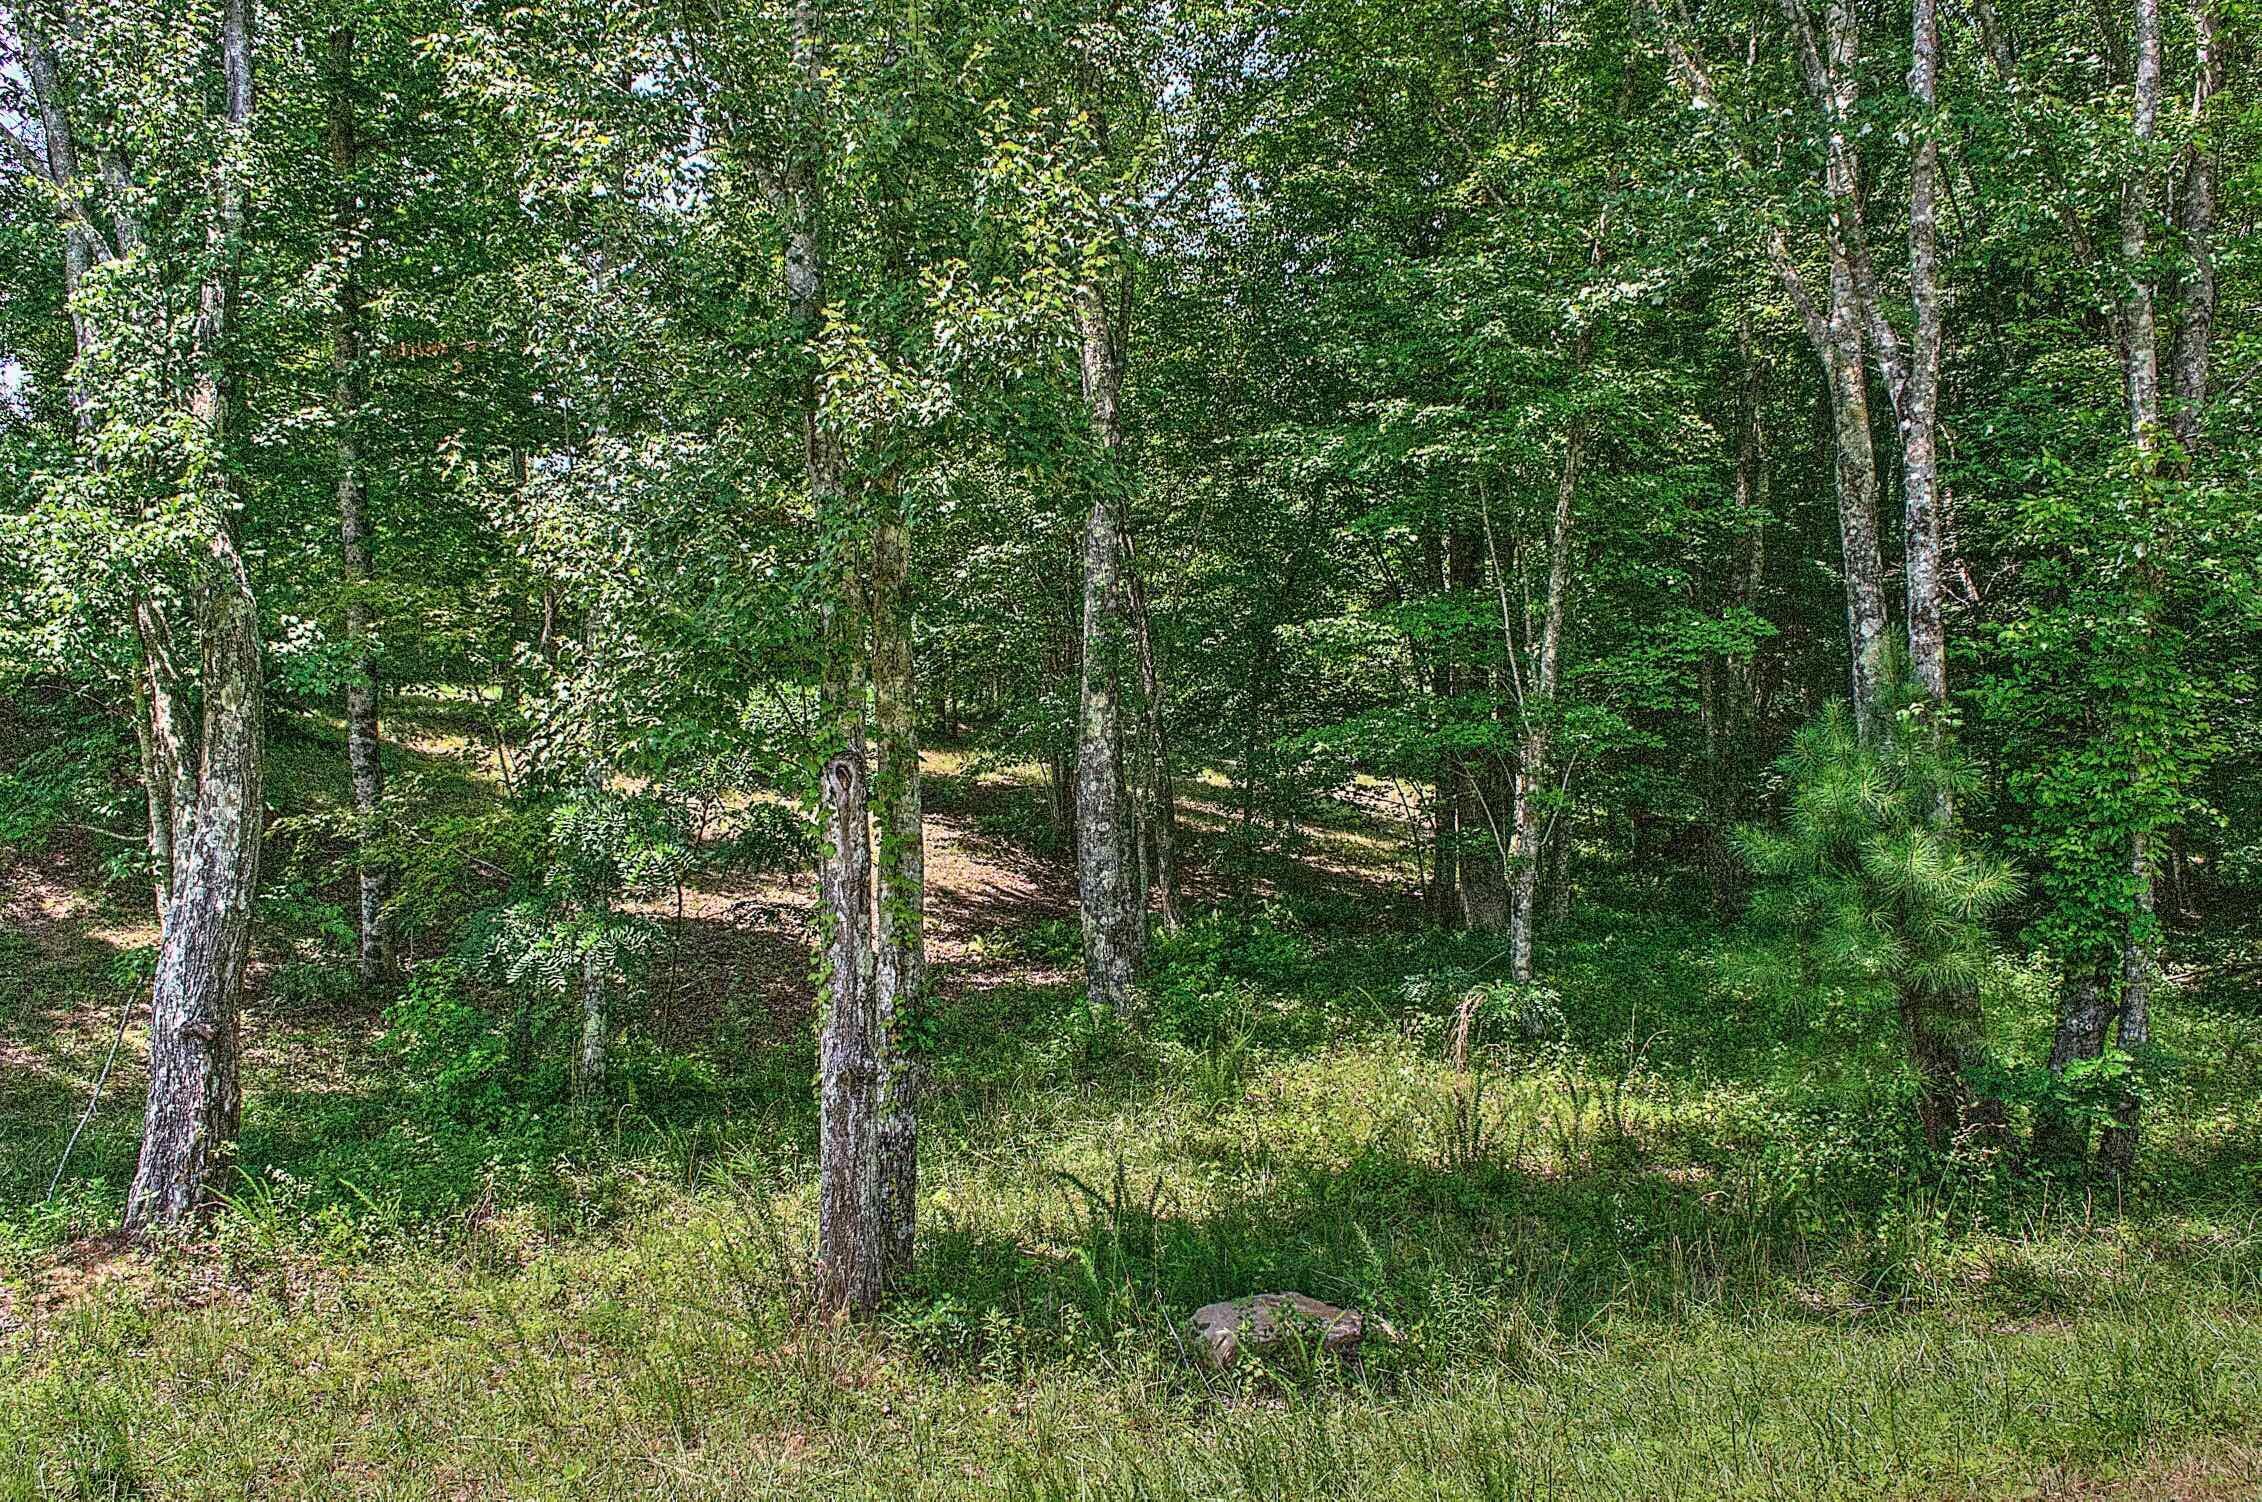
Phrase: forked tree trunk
x=1114 y=928
x=1836 y=327
x=195 y=1096
x=374 y=949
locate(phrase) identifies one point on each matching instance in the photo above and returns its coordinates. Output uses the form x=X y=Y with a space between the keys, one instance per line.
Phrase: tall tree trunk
x=2195 y=217
x=374 y=953
x=2140 y=358
x=852 y=1250
x=900 y=950
x=1114 y=929
x=1161 y=790
x=597 y=955
x=1920 y=470
x=1944 y=1025
x=1847 y=331
x=1482 y=822
x=1867 y=626
x=1443 y=898
x=195 y=1097
x=1837 y=327
x=1539 y=705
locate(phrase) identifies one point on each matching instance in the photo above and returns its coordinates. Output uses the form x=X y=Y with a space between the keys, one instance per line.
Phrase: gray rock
x=1265 y=1321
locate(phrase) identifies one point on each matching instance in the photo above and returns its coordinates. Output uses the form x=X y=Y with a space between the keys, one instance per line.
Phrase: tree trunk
x=195 y=1098
x=1539 y=705
x=2140 y=357
x=2085 y=1009
x=374 y=954
x=1944 y=1026
x=852 y=1244
x=596 y=1027
x=1836 y=328
x=1444 y=897
x=1114 y=929
x=900 y=951
x=2195 y=217
x=1928 y=649
x=1867 y=628
x=2116 y=1149
x=1481 y=820
x=596 y=784
x=1161 y=790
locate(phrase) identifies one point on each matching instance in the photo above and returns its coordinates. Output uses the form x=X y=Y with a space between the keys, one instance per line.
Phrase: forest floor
x=1652 y=1241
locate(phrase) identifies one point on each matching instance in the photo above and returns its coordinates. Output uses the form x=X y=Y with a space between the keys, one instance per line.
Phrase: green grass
x=1618 y=1275
x=1654 y=1243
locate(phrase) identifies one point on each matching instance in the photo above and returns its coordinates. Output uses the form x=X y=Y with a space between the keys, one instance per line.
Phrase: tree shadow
x=1482 y=1254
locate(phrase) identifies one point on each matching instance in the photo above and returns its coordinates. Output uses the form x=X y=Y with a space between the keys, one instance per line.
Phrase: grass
x=1649 y=1244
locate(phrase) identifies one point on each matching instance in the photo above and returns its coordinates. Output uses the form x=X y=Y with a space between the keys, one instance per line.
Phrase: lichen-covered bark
x=853 y=1244
x=899 y=924
x=195 y=1097
x=1867 y=628
x=1920 y=467
x=1114 y=928
x=195 y=1101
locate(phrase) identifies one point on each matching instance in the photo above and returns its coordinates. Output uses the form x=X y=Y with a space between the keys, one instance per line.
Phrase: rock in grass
x=1264 y=1321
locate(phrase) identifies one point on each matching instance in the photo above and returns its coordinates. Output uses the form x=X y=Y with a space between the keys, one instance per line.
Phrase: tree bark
x=1928 y=650
x=1482 y=822
x=1838 y=328
x=900 y=968
x=2085 y=1009
x=1114 y=929
x=596 y=956
x=853 y=1243
x=853 y=1246
x=2140 y=358
x=195 y=1099
x=1444 y=897
x=366 y=770
x=1160 y=794
x=1540 y=703
x=1867 y=627
x=2195 y=218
